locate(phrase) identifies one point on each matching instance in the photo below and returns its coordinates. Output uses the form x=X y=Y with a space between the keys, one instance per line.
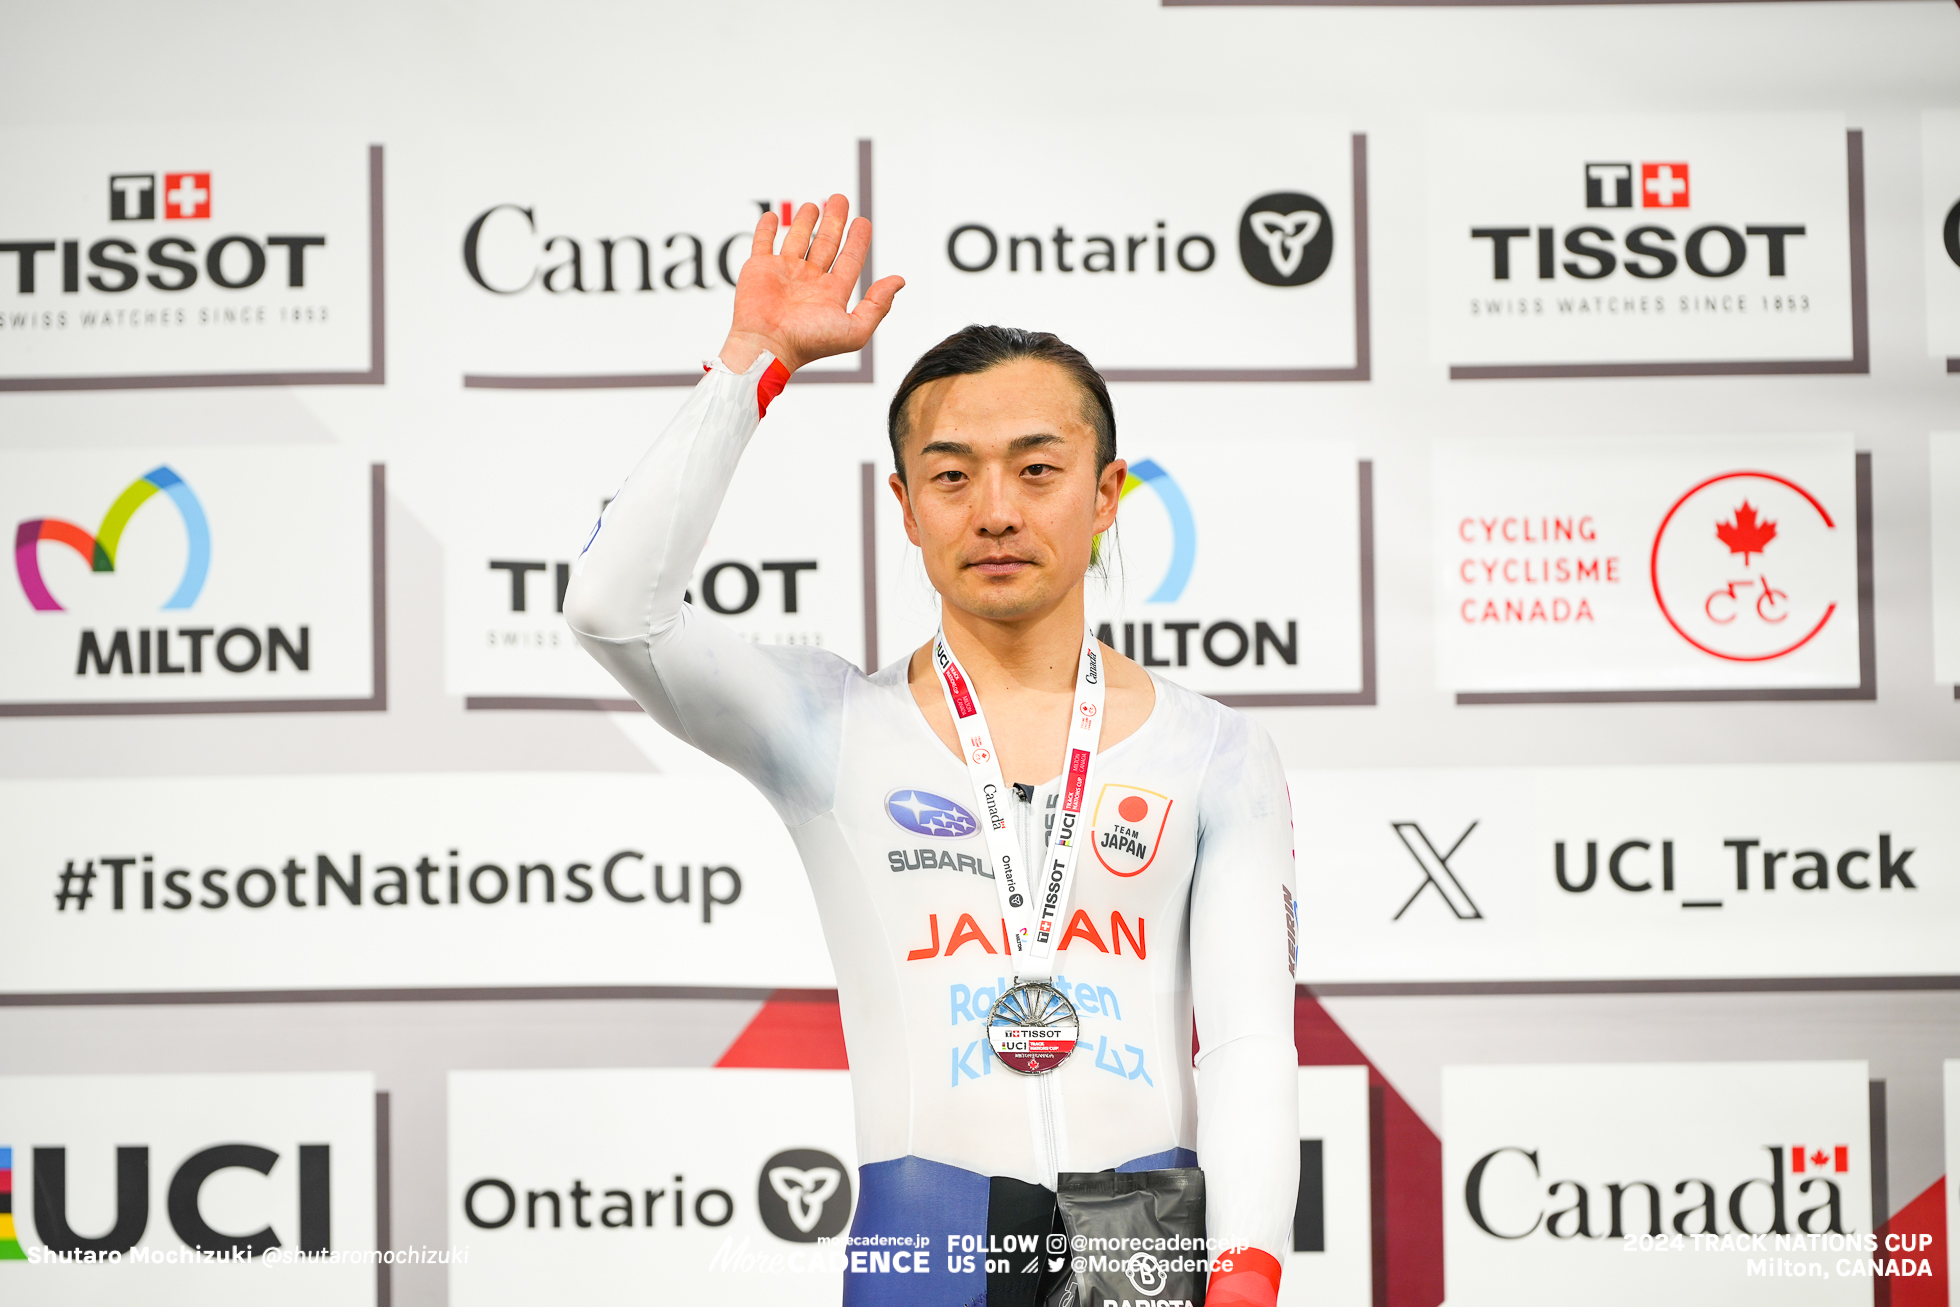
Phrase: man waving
x=1034 y=861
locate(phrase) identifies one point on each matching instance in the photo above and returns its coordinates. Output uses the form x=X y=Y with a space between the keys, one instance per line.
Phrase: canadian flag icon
x=1817 y=1159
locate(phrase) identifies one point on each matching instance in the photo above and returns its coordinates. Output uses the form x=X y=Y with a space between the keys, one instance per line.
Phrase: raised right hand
x=792 y=304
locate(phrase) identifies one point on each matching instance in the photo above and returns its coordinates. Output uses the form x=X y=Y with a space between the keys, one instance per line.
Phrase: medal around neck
x=1033 y=1028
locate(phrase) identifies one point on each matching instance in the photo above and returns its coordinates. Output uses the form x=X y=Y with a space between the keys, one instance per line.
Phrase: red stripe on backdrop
x=797 y=1029
x=1923 y=1216
x=1408 y=1168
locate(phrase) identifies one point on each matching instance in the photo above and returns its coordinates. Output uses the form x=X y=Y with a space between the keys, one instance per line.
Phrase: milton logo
x=183 y=1203
x=804 y=1195
x=99 y=550
x=1129 y=828
x=1611 y=186
x=1286 y=239
x=237 y=649
x=1736 y=567
x=1224 y=643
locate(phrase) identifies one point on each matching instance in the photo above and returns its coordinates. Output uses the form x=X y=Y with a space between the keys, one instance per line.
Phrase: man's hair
x=975 y=349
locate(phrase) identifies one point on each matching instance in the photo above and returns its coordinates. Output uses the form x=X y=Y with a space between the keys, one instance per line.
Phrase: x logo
x=1436 y=871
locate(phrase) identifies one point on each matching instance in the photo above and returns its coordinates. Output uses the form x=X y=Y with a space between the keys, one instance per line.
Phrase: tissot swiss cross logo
x=187 y=195
x=1807 y=1158
x=1663 y=185
x=132 y=196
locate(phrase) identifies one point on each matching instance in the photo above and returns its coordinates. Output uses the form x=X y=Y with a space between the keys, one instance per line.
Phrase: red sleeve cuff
x=774 y=378
x=1243 y=1277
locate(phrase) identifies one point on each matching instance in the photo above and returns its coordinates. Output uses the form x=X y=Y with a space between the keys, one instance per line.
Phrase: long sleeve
x=773 y=714
x=1242 y=967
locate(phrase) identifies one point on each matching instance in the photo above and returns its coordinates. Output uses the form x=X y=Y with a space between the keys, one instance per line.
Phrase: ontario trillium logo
x=804 y=1194
x=1286 y=239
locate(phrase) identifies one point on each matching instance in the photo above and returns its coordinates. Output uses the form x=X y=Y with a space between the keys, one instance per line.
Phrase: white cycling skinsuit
x=1183 y=901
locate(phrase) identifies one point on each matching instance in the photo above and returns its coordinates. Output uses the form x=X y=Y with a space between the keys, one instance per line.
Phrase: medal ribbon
x=1033 y=901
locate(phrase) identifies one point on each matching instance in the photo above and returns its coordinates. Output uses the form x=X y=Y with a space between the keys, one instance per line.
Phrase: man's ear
x=897 y=484
x=1109 y=489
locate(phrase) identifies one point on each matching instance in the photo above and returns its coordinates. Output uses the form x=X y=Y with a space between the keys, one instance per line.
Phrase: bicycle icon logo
x=1709 y=575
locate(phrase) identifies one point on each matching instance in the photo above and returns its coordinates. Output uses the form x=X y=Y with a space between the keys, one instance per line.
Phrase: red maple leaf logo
x=1746 y=535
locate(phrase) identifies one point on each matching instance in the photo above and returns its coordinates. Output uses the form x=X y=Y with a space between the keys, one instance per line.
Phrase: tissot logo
x=1286 y=239
x=133 y=195
x=232 y=262
x=258 y=263
x=1611 y=185
x=1651 y=242
x=804 y=1194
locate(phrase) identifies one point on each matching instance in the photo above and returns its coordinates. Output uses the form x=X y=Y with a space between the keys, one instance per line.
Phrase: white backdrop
x=503 y=406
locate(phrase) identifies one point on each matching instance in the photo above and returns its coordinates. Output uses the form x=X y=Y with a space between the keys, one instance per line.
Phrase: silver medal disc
x=1033 y=1028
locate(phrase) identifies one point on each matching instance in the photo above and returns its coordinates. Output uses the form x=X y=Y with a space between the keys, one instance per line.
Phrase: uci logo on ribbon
x=100 y=549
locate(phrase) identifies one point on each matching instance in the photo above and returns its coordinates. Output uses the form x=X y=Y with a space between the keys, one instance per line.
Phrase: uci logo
x=804 y=1194
x=1286 y=239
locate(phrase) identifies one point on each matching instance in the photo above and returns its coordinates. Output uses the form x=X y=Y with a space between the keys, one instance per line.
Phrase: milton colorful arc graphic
x=100 y=549
x=1184 y=529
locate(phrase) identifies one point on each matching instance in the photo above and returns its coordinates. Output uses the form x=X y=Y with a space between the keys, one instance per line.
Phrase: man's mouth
x=999 y=565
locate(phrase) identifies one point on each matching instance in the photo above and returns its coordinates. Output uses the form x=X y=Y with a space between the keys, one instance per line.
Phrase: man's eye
x=950 y=476
x=1038 y=469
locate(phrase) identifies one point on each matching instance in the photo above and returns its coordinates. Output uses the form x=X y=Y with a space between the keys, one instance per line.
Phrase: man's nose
x=996 y=514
